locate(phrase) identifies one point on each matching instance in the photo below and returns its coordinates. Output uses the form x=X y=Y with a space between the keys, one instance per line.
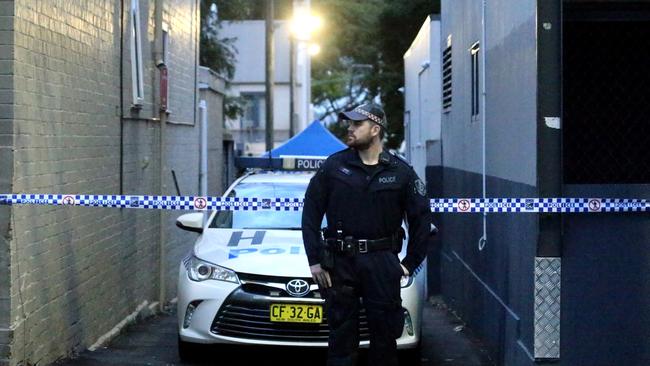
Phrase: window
x=136 y=55
x=262 y=219
x=446 y=79
x=254 y=110
x=474 y=52
x=164 y=54
x=165 y=44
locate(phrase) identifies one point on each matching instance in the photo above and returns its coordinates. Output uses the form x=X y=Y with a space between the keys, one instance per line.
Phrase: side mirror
x=191 y=222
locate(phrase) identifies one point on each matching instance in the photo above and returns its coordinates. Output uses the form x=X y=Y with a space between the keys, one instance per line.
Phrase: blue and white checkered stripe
x=533 y=205
x=190 y=203
x=448 y=205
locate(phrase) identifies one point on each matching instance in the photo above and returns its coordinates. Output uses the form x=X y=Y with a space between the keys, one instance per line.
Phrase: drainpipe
x=203 y=168
x=483 y=240
x=163 y=187
x=121 y=97
x=270 y=76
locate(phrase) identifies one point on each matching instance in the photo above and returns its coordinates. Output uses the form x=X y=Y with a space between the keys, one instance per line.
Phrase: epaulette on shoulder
x=400 y=158
x=339 y=153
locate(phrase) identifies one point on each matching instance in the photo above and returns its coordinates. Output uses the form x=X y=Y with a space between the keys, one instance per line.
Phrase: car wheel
x=188 y=351
x=411 y=356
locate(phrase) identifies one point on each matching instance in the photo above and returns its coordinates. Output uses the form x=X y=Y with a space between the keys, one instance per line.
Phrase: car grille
x=246 y=315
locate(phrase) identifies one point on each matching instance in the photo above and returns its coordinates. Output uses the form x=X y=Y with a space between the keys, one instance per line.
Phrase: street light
x=302 y=27
x=314 y=49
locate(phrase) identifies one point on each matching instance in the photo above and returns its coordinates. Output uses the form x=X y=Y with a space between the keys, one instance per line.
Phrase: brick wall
x=76 y=272
x=6 y=169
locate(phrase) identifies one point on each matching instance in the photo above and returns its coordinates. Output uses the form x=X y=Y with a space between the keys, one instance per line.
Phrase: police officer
x=365 y=193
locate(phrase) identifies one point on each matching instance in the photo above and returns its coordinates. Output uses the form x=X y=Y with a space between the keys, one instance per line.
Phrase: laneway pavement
x=446 y=342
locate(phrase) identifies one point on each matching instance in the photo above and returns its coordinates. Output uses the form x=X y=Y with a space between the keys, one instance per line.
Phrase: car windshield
x=262 y=219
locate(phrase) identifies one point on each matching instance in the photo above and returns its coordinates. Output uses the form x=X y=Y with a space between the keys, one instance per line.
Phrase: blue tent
x=315 y=140
x=305 y=151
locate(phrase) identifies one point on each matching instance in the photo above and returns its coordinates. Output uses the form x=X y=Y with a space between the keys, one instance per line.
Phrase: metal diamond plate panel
x=547 y=307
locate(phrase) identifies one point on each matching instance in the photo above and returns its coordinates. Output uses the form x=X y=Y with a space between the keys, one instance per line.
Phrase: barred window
x=474 y=53
x=136 y=55
x=446 y=79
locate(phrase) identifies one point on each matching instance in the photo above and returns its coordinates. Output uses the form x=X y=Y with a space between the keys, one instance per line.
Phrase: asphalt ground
x=153 y=341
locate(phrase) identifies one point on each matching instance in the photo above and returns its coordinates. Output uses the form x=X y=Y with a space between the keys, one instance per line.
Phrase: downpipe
x=203 y=158
x=483 y=240
x=163 y=187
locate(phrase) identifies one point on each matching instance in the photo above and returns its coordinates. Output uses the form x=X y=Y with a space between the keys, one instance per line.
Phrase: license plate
x=296 y=313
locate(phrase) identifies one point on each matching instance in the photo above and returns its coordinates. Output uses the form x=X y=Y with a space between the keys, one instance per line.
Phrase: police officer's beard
x=359 y=144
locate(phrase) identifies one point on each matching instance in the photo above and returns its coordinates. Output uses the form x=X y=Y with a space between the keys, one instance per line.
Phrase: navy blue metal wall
x=606 y=283
x=605 y=318
x=606 y=257
x=492 y=288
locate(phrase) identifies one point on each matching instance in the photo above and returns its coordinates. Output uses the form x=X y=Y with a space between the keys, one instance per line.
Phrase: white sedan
x=247 y=279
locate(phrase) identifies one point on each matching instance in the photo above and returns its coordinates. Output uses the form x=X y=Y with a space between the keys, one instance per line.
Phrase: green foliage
x=338 y=130
x=363 y=45
x=233 y=107
x=216 y=53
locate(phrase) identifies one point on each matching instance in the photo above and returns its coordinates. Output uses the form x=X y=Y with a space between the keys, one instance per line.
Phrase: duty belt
x=362 y=246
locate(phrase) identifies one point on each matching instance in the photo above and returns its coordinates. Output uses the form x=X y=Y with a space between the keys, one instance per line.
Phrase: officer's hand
x=406 y=271
x=321 y=276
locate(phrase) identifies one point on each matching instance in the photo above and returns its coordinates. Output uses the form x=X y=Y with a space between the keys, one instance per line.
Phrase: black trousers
x=375 y=278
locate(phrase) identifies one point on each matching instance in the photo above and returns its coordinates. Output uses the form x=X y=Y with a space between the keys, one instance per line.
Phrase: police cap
x=368 y=111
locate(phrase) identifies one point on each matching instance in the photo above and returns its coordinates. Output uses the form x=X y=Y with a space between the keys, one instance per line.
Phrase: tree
x=362 y=57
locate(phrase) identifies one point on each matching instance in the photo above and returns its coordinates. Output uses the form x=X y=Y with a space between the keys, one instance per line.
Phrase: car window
x=262 y=219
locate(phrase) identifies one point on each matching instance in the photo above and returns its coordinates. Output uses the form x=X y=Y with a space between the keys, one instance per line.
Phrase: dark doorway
x=606 y=93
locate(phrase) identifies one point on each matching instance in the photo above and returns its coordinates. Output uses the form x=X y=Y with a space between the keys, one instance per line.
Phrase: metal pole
x=203 y=170
x=292 y=70
x=163 y=187
x=483 y=49
x=270 y=54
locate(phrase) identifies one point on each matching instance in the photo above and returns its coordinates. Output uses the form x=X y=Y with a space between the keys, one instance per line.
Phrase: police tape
x=537 y=205
x=154 y=202
x=438 y=205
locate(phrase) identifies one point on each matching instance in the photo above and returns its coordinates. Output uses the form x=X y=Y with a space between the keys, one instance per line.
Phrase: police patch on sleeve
x=420 y=188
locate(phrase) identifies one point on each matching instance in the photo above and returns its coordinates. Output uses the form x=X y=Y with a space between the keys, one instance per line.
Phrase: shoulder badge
x=420 y=188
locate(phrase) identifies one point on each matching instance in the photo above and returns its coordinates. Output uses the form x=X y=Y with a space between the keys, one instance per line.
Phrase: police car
x=247 y=279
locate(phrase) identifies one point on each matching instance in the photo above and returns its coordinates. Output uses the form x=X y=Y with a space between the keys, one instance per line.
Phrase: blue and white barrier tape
x=577 y=205
x=154 y=202
x=449 y=205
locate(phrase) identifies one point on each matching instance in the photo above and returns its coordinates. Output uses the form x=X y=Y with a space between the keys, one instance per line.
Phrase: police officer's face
x=361 y=134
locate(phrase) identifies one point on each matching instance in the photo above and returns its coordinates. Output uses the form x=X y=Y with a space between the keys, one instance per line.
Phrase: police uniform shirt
x=369 y=204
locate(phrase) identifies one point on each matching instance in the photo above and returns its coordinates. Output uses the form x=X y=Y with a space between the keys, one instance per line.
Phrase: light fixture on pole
x=302 y=27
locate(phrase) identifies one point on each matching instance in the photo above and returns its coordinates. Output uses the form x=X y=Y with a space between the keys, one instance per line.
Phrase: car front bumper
x=226 y=313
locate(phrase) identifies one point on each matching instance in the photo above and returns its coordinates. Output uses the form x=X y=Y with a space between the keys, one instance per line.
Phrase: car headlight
x=199 y=270
x=406 y=281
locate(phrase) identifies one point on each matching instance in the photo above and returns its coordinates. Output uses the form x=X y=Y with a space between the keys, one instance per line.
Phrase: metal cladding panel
x=547 y=307
x=511 y=88
x=491 y=289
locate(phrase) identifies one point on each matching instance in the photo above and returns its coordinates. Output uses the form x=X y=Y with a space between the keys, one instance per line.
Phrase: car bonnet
x=255 y=251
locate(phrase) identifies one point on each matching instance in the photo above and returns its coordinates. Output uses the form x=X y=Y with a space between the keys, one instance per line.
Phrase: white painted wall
x=422 y=93
x=250 y=77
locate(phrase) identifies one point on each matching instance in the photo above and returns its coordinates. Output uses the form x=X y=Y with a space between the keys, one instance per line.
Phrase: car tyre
x=411 y=356
x=188 y=351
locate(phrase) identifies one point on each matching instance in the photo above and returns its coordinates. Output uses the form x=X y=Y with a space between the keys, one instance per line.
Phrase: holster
x=402 y=234
x=327 y=259
x=327 y=256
